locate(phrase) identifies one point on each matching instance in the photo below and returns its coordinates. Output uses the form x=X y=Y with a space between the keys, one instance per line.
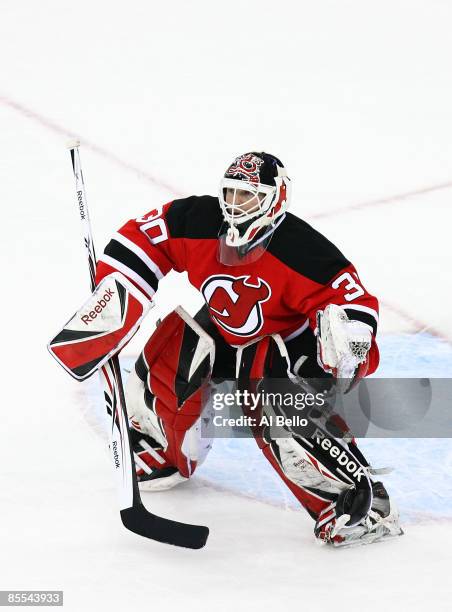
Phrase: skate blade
x=162 y=484
x=372 y=539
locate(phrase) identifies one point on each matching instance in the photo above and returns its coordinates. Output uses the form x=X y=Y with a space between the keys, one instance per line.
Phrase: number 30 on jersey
x=154 y=226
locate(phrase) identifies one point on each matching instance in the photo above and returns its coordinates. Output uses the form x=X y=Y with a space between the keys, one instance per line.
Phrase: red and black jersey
x=299 y=273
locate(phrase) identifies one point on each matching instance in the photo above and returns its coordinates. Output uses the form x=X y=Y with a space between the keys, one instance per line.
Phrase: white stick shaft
x=84 y=214
x=110 y=373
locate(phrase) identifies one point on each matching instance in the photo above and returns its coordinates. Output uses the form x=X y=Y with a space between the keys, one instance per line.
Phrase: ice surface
x=355 y=98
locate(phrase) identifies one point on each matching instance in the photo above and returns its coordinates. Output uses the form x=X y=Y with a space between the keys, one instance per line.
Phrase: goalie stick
x=134 y=515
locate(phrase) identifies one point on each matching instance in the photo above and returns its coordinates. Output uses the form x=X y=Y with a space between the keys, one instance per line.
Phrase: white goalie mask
x=254 y=194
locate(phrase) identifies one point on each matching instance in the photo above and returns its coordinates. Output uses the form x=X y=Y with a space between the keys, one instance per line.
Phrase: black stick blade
x=148 y=525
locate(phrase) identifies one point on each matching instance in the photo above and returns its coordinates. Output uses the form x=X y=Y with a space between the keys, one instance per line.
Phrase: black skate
x=381 y=523
x=154 y=473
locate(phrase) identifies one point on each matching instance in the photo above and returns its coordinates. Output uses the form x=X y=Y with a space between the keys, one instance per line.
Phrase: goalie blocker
x=101 y=327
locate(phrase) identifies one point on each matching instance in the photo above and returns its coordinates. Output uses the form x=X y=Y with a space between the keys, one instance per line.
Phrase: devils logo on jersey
x=246 y=167
x=235 y=302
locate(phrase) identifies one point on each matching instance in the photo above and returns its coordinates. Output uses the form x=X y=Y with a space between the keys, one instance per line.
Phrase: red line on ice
x=419 y=325
x=57 y=129
x=380 y=202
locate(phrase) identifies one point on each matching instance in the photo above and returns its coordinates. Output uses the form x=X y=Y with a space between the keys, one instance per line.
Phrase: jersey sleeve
x=144 y=251
x=345 y=289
